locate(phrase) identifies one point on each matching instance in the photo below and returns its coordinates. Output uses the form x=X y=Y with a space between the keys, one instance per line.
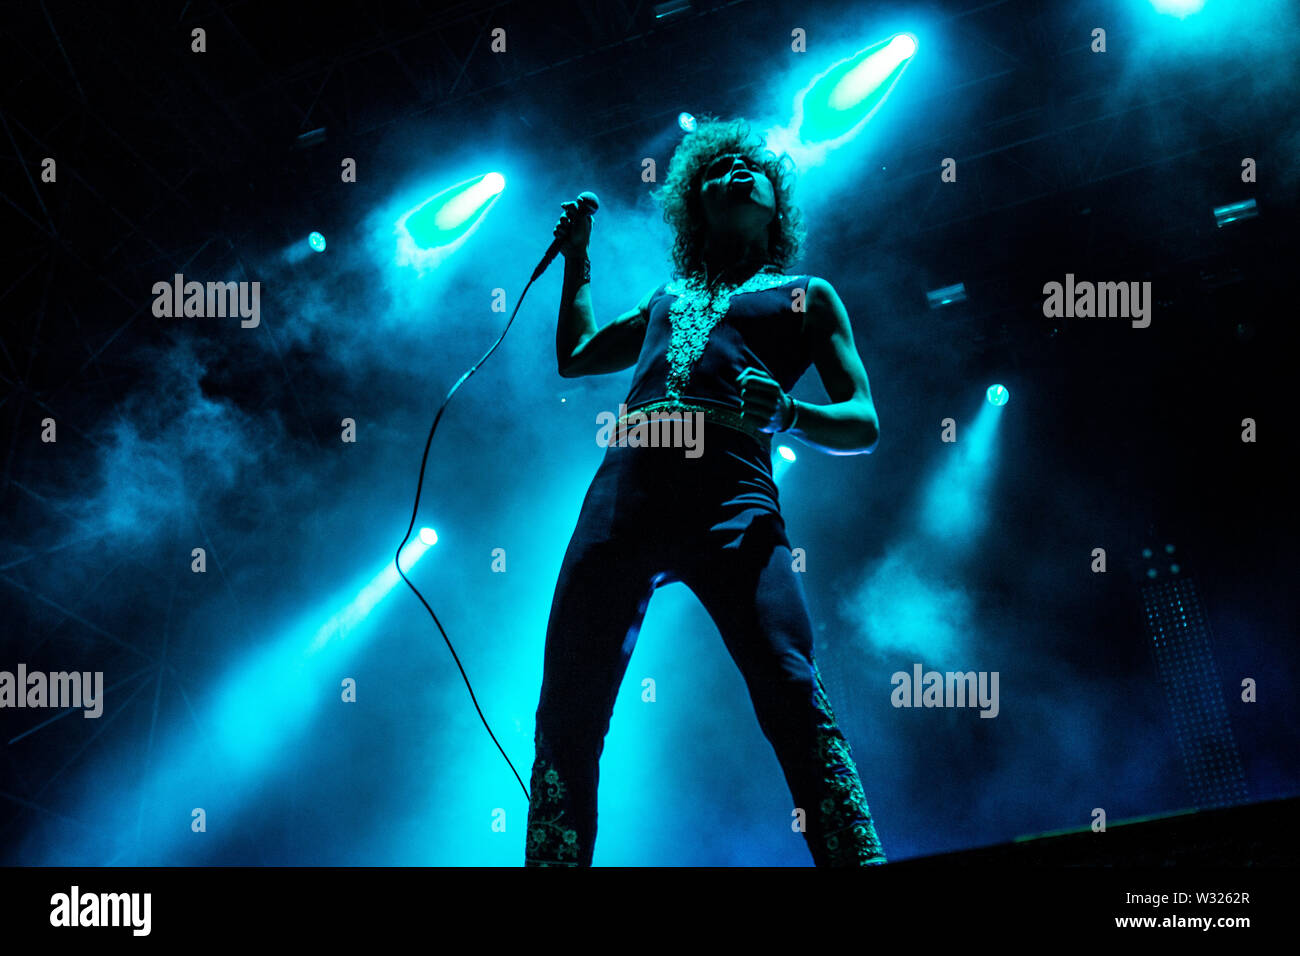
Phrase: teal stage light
x=844 y=97
x=317 y=242
x=782 y=461
x=904 y=45
x=997 y=395
x=937 y=298
x=1246 y=209
x=450 y=215
x=955 y=503
x=1178 y=8
x=686 y=121
x=429 y=536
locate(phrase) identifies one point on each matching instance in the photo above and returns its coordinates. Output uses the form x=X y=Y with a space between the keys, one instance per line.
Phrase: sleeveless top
x=696 y=344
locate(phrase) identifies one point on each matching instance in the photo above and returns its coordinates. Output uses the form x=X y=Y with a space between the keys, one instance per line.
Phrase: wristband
x=794 y=418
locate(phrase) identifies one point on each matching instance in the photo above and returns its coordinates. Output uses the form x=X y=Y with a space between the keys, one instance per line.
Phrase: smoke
x=169 y=448
x=230 y=439
x=911 y=606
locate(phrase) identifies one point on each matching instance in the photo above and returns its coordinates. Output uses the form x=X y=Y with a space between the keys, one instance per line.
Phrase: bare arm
x=848 y=426
x=581 y=348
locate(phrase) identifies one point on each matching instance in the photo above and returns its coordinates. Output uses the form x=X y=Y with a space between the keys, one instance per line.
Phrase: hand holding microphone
x=572 y=231
x=574 y=228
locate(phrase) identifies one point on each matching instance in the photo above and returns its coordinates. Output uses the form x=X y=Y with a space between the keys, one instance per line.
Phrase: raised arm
x=594 y=351
x=581 y=348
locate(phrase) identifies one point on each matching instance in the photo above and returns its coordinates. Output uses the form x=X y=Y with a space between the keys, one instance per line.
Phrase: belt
x=717 y=414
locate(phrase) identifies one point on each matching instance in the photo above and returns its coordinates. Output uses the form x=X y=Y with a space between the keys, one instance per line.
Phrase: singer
x=728 y=337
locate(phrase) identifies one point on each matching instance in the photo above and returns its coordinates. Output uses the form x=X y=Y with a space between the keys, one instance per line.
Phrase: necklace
x=694 y=314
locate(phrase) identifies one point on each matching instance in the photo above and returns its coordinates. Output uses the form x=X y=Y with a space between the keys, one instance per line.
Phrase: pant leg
x=599 y=604
x=757 y=602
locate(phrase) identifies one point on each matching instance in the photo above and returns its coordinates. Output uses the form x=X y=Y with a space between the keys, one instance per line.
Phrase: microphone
x=587 y=205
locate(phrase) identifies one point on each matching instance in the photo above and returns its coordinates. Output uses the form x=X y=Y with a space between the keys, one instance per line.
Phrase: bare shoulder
x=825 y=309
x=643 y=307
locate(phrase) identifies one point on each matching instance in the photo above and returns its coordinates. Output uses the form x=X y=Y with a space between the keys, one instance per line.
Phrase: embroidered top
x=698 y=340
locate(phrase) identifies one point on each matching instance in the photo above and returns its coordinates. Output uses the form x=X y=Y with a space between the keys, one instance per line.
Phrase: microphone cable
x=397 y=560
x=587 y=204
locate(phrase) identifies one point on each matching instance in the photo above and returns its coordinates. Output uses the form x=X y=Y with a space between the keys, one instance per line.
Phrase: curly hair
x=680 y=194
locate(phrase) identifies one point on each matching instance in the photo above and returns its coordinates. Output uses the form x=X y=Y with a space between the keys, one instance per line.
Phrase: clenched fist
x=764 y=402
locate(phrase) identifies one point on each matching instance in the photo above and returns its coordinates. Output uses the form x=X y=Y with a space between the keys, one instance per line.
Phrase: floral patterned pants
x=741 y=571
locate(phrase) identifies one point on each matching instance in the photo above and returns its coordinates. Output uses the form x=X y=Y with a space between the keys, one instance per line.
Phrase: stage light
x=1151 y=573
x=449 y=216
x=1237 y=210
x=313 y=138
x=672 y=8
x=273 y=691
x=782 y=461
x=868 y=75
x=1146 y=552
x=955 y=502
x=903 y=45
x=947 y=295
x=429 y=536
x=1178 y=8
x=1174 y=569
x=838 y=102
x=686 y=121
x=317 y=242
x=997 y=395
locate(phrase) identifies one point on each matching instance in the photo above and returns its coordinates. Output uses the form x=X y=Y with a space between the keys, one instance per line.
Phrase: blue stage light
x=686 y=121
x=1178 y=8
x=449 y=216
x=955 y=504
x=997 y=395
x=429 y=536
x=903 y=45
x=782 y=461
x=840 y=101
x=946 y=296
x=317 y=242
x=1234 y=211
